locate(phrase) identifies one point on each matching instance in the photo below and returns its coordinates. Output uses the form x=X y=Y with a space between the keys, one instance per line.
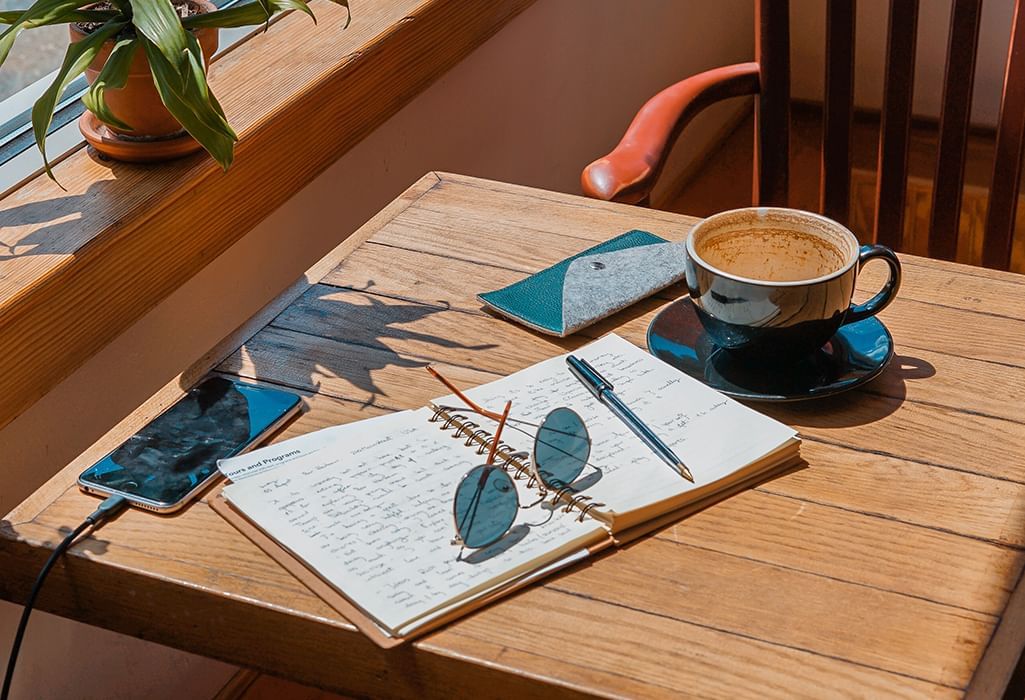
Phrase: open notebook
x=363 y=512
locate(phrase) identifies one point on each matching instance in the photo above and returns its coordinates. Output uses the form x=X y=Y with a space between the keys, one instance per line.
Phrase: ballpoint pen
x=601 y=388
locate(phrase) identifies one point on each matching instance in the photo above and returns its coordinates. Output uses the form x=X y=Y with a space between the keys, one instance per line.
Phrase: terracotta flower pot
x=155 y=134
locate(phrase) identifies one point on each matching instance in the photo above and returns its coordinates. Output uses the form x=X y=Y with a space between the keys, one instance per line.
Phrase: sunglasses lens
x=485 y=506
x=562 y=448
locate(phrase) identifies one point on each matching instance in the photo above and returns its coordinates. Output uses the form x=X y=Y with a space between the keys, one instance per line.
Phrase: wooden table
x=889 y=567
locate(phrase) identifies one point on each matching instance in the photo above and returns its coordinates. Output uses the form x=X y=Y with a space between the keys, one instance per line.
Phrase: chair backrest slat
x=838 y=113
x=836 y=199
x=772 y=107
x=895 y=124
x=953 y=138
x=1003 y=194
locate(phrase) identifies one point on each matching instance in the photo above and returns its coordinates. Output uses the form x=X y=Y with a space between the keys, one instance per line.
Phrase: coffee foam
x=772 y=254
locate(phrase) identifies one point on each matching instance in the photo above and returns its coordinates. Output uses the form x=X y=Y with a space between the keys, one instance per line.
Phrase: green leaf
x=113 y=75
x=348 y=12
x=43 y=12
x=244 y=14
x=159 y=23
x=202 y=88
x=190 y=100
x=78 y=57
x=285 y=5
x=12 y=16
x=268 y=13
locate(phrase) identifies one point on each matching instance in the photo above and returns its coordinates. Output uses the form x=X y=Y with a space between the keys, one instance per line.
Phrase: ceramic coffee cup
x=776 y=283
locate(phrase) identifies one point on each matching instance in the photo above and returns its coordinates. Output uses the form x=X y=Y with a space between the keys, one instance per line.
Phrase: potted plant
x=145 y=61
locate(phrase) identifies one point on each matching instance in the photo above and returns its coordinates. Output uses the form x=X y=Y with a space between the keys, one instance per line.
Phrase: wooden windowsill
x=78 y=267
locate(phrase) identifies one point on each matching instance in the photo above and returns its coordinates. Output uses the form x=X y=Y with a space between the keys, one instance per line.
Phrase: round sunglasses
x=486 y=500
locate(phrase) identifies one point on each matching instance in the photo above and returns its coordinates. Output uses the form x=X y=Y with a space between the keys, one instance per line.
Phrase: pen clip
x=588 y=376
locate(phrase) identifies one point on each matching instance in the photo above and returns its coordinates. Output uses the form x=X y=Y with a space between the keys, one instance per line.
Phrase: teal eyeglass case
x=589 y=286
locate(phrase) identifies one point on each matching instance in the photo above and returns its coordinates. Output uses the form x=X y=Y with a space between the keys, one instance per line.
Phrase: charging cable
x=108 y=509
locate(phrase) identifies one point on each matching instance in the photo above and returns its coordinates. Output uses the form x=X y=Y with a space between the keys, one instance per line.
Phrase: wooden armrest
x=628 y=173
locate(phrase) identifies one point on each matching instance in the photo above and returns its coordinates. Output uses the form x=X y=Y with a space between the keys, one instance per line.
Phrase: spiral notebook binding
x=516 y=463
x=472 y=434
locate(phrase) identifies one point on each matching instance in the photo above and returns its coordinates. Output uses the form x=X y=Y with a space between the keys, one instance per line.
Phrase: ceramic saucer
x=134 y=150
x=855 y=355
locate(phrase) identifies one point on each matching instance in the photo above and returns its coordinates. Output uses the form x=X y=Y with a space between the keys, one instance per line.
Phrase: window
x=23 y=78
x=37 y=54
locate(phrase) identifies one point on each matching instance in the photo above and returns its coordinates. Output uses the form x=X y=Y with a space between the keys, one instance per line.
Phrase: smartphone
x=174 y=457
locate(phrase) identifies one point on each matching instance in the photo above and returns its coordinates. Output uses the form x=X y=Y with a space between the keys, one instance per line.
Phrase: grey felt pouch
x=591 y=285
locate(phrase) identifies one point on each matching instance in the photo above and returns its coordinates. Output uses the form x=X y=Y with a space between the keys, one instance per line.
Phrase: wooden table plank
x=848 y=546
x=957 y=331
x=343 y=324
x=699 y=661
x=790 y=608
x=387 y=271
x=951 y=287
x=953 y=284
x=882 y=569
x=896 y=489
x=803 y=531
x=911 y=492
x=977 y=507
x=263 y=581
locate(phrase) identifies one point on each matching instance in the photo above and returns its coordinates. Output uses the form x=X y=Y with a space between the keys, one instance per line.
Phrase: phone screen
x=178 y=451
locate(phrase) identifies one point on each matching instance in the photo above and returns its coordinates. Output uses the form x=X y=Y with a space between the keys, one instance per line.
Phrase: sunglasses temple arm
x=463 y=397
x=498 y=433
x=471 y=512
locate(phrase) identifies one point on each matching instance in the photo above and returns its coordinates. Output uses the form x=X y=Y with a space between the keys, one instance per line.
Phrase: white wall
x=550 y=92
x=808 y=21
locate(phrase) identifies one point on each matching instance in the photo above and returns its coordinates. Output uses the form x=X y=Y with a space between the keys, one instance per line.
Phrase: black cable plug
x=108 y=509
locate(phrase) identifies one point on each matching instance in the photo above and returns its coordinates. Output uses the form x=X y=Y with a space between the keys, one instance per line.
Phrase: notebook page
x=713 y=434
x=372 y=514
x=271 y=457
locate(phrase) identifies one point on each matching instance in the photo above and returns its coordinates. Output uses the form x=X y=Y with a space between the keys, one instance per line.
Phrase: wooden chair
x=629 y=172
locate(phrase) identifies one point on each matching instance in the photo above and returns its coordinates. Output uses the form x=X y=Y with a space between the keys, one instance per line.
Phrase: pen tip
x=684 y=472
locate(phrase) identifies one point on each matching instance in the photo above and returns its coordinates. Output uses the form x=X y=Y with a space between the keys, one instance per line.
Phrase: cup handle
x=859 y=312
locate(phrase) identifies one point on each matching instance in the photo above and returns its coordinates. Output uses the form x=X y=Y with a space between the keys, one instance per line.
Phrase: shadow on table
x=86 y=542
x=364 y=326
x=57 y=219
x=877 y=400
x=63 y=223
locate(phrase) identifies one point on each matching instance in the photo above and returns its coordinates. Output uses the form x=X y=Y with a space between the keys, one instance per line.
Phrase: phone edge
x=167 y=508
